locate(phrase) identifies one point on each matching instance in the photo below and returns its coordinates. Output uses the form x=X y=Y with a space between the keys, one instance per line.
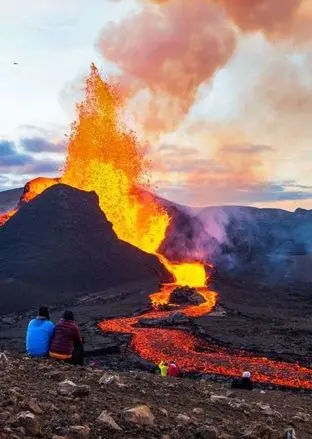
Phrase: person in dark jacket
x=67 y=344
x=39 y=334
x=243 y=383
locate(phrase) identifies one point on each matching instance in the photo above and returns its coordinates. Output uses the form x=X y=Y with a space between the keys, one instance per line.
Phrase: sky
x=221 y=89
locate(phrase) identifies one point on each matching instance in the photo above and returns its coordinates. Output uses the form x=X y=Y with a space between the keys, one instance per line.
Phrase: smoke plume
x=271 y=17
x=168 y=53
x=168 y=50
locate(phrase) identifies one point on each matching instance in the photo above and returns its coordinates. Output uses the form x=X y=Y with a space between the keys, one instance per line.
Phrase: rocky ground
x=125 y=299
x=52 y=400
x=270 y=320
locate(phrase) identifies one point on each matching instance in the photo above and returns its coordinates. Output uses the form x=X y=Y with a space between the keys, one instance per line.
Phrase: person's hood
x=247 y=375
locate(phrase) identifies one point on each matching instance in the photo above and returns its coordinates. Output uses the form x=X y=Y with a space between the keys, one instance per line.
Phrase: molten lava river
x=104 y=156
x=194 y=354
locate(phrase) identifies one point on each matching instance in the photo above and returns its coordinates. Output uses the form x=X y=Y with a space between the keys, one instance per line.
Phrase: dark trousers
x=243 y=383
x=78 y=355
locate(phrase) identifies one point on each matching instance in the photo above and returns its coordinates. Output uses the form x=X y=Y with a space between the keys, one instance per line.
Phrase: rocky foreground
x=42 y=398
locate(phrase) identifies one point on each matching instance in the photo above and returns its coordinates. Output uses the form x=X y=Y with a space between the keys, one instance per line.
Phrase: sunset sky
x=221 y=89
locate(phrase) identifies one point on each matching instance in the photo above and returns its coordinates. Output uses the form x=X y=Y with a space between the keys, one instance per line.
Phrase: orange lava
x=35 y=187
x=195 y=355
x=6 y=216
x=192 y=274
x=31 y=190
x=105 y=157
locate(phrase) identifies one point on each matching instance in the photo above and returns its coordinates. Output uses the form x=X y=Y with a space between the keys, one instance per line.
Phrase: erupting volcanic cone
x=62 y=240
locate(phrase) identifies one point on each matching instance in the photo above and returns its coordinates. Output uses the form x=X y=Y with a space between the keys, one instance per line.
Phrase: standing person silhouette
x=163 y=367
x=173 y=369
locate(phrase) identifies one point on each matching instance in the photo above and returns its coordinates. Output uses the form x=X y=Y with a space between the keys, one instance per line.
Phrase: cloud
x=277 y=19
x=234 y=173
x=247 y=149
x=39 y=144
x=10 y=156
x=165 y=54
x=17 y=165
x=274 y=18
x=169 y=62
x=6 y=148
x=230 y=192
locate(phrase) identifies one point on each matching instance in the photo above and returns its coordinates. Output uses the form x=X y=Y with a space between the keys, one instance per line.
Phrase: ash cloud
x=276 y=19
x=164 y=57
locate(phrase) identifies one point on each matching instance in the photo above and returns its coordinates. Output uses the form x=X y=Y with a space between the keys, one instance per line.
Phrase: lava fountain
x=106 y=157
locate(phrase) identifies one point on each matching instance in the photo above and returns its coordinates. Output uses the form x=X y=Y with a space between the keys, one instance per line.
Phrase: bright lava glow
x=192 y=274
x=105 y=157
x=195 y=355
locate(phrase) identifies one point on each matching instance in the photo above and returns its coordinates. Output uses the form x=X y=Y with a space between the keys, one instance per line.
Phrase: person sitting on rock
x=163 y=367
x=173 y=370
x=67 y=344
x=39 y=334
x=243 y=383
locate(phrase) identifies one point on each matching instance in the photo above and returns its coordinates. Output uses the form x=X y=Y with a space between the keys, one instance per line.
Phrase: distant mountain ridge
x=269 y=242
x=9 y=199
x=62 y=241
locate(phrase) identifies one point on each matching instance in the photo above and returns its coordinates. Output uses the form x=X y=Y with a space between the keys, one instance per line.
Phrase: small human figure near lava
x=67 y=343
x=39 y=334
x=290 y=432
x=163 y=367
x=245 y=382
x=173 y=370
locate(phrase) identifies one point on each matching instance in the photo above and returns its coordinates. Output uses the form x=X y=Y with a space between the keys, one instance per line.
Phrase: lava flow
x=104 y=156
x=196 y=355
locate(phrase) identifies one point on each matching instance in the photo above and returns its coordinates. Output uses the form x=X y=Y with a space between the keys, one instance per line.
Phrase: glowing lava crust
x=196 y=355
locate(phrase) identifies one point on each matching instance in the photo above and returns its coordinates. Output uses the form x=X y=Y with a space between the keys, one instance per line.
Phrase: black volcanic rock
x=174 y=319
x=271 y=244
x=185 y=296
x=62 y=241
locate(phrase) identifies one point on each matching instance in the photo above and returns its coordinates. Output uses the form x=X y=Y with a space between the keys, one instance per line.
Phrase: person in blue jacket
x=39 y=334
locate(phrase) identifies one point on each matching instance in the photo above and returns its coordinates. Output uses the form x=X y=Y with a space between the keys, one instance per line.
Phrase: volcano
x=62 y=241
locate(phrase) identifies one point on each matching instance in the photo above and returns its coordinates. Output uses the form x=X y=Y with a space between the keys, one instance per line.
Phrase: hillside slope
x=9 y=199
x=265 y=243
x=61 y=241
x=33 y=401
